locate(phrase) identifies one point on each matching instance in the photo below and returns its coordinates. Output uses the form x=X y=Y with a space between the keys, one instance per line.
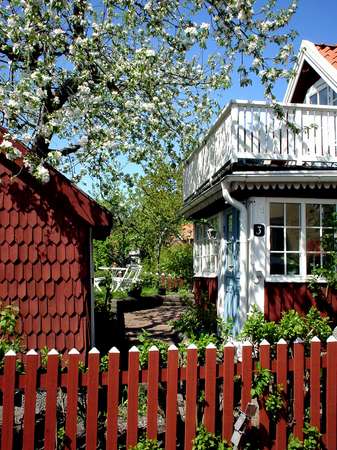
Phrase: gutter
x=244 y=264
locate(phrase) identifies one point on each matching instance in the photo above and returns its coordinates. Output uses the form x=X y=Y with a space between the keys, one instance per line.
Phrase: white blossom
x=42 y=174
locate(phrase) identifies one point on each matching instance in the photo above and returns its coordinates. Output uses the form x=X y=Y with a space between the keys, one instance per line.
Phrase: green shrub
x=146 y=342
x=199 y=319
x=146 y=444
x=177 y=260
x=9 y=339
x=311 y=441
x=291 y=326
x=206 y=440
x=257 y=328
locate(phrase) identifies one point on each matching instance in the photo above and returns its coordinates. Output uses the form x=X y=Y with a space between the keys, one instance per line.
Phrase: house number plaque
x=259 y=229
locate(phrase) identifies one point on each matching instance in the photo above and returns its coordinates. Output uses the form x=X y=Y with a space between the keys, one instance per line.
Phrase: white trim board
x=309 y=53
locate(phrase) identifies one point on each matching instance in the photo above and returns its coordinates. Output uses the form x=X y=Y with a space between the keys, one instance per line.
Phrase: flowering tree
x=83 y=82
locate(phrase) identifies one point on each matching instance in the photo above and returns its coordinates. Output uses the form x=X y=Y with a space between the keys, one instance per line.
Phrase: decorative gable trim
x=310 y=54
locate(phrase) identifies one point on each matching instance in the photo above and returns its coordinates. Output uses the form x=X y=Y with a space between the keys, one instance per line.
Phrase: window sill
x=291 y=279
x=205 y=275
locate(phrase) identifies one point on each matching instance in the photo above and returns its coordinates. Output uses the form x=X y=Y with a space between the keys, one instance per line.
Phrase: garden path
x=155 y=321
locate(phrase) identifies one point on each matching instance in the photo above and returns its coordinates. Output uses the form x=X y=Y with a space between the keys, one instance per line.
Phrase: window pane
x=323 y=96
x=313 y=240
x=276 y=264
x=292 y=239
x=312 y=215
x=276 y=214
x=334 y=98
x=328 y=215
x=276 y=239
x=328 y=239
x=293 y=264
x=229 y=226
x=313 y=260
x=293 y=214
x=313 y=99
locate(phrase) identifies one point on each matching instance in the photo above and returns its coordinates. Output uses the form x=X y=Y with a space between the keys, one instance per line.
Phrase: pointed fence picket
x=292 y=368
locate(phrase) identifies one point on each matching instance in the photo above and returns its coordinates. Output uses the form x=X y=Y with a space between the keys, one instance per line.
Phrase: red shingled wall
x=44 y=265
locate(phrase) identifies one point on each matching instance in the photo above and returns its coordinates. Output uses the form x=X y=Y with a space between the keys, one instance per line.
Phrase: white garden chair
x=122 y=278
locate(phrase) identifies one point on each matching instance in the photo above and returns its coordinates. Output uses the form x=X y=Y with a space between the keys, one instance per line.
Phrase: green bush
x=146 y=444
x=312 y=440
x=291 y=326
x=9 y=339
x=206 y=440
x=146 y=342
x=177 y=260
x=199 y=319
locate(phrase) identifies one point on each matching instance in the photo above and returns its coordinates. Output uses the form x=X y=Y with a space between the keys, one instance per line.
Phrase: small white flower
x=5 y=145
x=191 y=31
x=12 y=103
x=204 y=26
x=148 y=6
x=57 y=32
x=42 y=174
x=150 y=52
x=83 y=141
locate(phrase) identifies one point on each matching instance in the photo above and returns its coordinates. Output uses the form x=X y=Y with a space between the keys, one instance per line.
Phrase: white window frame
x=316 y=88
x=302 y=277
x=206 y=249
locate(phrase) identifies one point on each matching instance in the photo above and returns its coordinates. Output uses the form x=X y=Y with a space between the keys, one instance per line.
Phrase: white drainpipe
x=92 y=294
x=244 y=263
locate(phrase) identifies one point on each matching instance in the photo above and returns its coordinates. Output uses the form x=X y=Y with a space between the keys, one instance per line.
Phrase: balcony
x=251 y=131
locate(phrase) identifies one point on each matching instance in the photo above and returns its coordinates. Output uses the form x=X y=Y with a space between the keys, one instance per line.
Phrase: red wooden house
x=260 y=195
x=46 y=233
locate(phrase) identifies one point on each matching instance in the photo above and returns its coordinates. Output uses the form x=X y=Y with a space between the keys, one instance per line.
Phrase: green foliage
x=177 y=260
x=184 y=294
x=274 y=402
x=206 y=440
x=9 y=339
x=61 y=438
x=317 y=325
x=146 y=342
x=328 y=271
x=8 y=319
x=262 y=380
x=257 y=328
x=146 y=444
x=291 y=326
x=312 y=439
x=267 y=391
x=199 y=320
x=201 y=343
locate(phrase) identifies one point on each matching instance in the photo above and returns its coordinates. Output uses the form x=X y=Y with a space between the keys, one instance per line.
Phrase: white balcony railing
x=251 y=130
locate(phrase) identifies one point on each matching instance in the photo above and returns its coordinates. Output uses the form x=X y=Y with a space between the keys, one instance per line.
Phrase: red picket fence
x=170 y=282
x=308 y=381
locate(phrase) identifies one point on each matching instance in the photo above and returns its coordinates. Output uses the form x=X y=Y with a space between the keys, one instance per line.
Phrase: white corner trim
x=309 y=52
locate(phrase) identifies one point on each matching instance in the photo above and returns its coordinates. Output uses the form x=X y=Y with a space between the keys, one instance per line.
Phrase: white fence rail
x=251 y=130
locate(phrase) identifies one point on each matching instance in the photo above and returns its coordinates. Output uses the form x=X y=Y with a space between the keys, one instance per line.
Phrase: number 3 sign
x=259 y=229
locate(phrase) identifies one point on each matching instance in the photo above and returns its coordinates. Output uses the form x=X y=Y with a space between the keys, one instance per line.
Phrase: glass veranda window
x=206 y=247
x=296 y=233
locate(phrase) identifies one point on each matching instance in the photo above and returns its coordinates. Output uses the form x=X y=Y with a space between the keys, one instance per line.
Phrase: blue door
x=232 y=267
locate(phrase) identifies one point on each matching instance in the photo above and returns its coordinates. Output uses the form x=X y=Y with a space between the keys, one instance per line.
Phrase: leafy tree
x=82 y=82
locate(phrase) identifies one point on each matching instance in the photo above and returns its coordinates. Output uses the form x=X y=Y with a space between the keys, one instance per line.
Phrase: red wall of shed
x=281 y=297
x=44 y=266
x=205 y=289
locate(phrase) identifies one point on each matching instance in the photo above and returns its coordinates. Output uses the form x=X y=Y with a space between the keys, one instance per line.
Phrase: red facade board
x=44 y=265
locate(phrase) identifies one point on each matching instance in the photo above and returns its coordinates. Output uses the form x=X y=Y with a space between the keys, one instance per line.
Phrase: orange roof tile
x=329 y=52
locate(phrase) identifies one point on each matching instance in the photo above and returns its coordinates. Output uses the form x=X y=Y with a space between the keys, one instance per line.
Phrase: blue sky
x=315 y=20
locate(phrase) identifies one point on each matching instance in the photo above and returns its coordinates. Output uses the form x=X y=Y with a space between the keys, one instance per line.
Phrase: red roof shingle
x=329 y=52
